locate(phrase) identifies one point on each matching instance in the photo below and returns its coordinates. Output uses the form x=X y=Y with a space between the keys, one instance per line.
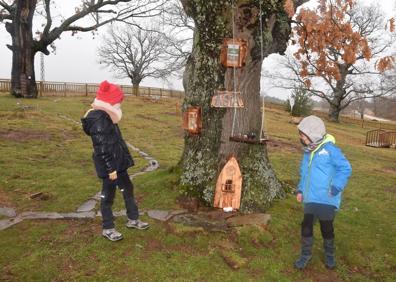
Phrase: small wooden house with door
x=229 y=186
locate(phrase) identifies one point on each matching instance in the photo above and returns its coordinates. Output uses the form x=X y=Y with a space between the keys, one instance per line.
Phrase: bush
x=302 y=103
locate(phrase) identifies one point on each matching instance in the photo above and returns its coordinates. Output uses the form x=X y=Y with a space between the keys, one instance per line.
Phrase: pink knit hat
x=109 y=93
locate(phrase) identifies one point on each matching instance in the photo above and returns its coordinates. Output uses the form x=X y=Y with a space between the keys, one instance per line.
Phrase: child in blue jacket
x=324 y=173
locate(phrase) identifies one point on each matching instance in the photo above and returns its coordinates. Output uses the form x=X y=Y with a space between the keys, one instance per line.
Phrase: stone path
x=87 y=209
x=214 y=220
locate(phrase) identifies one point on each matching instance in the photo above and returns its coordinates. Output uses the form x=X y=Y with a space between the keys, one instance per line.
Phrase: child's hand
x=299 y=197
x=333 y=191
x=113 y=175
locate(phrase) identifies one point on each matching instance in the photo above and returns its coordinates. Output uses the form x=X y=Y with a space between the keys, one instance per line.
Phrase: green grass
x=41 y=151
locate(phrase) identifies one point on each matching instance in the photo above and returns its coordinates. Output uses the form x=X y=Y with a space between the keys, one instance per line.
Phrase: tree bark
x=135 y=89
x=135 y=84
x=205 y=155
x=334 y=113
x=23 y=80
x=339 y=94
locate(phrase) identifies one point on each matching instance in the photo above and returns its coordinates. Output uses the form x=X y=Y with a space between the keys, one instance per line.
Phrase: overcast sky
x=76 y=60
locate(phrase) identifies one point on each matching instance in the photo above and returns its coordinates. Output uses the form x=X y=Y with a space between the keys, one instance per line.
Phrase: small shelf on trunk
x=243 y=139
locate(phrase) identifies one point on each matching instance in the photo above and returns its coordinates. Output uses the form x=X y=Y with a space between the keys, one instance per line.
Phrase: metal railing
x=381 y=138
x=69 y=89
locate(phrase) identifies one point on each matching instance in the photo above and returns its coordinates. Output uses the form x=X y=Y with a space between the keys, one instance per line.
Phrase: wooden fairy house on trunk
x=229 y=186
x=192 y=120
x=233 y=52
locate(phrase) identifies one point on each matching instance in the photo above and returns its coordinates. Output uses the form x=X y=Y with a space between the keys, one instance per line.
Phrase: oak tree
x=335 y=48
x=205 y=155
x=18 y=16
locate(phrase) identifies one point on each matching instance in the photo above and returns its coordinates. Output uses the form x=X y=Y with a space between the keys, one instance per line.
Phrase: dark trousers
x=325 y=214
x=107 y=198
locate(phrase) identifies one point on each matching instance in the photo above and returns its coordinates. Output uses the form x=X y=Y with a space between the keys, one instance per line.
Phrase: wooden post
x=160 y=92
x=41 y=88
x=149 y=91
x=86 y=89
x=64 y=93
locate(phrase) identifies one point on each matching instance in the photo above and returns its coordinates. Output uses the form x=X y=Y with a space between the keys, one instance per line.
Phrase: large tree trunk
x=334 y=112
x=205 y=155
x=23 y=80
x=336 y=105
x=135 y=84
x=135 y=89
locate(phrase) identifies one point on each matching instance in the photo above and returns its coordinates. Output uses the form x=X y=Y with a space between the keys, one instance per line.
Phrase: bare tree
x=18 y=17
x=384 y=107
x=350 y=79
x=136 y=54
x=178 y=28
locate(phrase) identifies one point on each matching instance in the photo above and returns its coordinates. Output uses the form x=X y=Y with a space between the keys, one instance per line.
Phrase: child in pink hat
x=111 y=157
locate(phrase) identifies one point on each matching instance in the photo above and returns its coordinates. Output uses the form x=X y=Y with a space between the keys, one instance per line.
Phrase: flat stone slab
x=201 y=220
x=87 y=206
x=40 y=215
x=136 y=174
x=143 y=154
x=6 y=223
x=153 y=165
x=177 y=212
x=120 y=213
x=249 y=219
x=161 y=215
x=7 y=212
x=78 y=215
x=132 y=147
x=97 y=196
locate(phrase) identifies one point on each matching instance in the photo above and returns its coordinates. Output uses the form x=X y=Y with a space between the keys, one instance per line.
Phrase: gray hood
x=313 y=127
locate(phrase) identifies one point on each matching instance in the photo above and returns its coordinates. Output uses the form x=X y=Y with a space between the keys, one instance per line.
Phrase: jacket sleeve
x=343 y=169
x=100 y=132
x=303 y=172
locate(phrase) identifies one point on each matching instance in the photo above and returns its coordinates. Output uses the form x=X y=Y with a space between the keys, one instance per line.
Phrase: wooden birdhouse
x=233 y=52
x=227 y=99
x=229 y=186
x=192 y=120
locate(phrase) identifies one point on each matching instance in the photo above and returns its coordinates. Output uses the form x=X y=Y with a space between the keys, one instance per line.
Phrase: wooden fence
x=381 y=138
x=69 y=89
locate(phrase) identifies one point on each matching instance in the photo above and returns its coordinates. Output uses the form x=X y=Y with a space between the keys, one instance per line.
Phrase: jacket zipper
x=308 y=182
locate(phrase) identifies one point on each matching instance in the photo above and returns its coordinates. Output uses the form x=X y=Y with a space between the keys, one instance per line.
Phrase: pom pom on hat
x=109 y=93
x=104 y=86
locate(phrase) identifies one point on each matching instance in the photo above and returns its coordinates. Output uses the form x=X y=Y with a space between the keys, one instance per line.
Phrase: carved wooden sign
x=229 y=186
x=227 y=99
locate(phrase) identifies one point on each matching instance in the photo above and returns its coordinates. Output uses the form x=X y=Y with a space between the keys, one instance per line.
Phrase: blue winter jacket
x=321 y=169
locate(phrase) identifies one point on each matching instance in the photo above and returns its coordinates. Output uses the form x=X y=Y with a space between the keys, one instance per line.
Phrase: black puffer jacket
x=110 y=151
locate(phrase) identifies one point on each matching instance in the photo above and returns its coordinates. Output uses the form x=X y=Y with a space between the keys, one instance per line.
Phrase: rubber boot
x=306 y=253
x=329 y=249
